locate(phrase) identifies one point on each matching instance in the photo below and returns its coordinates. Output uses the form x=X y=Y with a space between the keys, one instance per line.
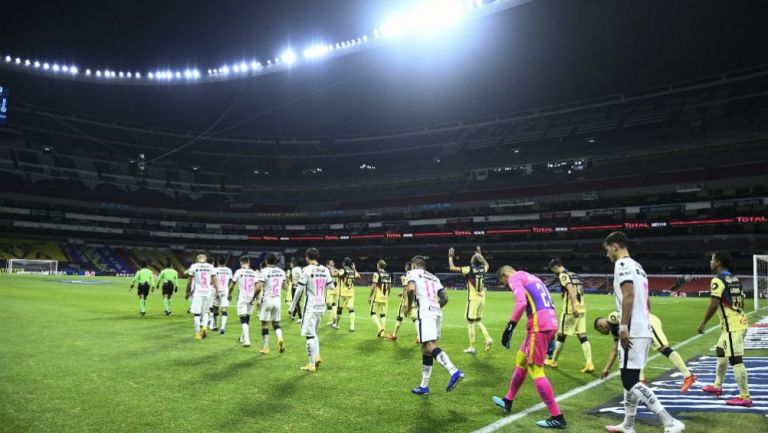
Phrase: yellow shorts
x=570 y=325
x=475 y=308
x=379 y=308
x=331 y=297
x=732 y=342
x=401 y=311
x=659 y=340
x=347 y=302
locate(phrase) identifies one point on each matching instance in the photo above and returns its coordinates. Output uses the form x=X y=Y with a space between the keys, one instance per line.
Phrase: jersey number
x=319 y=291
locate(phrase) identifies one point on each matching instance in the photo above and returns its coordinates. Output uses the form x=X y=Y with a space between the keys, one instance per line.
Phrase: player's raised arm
x=451 y=265
x=628 y=293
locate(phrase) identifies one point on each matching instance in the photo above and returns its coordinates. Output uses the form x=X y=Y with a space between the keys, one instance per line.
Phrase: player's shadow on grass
x=430 y=419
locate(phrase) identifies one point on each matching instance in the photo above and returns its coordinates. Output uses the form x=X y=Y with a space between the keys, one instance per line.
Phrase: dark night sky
x=541 y=53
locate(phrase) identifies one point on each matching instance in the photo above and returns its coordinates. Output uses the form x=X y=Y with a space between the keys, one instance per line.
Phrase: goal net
x=760 y=280
x=24 y=266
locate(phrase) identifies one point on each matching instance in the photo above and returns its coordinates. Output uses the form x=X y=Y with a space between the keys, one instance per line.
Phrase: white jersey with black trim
x=223 y=277
x=295 y=275
x=246 y=279
x=427 y=286
x=315 y=281
x=626 y=270
x=201 y=273
x=273 y=281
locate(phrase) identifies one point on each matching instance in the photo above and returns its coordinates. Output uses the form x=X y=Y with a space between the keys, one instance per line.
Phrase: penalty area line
x=576 y=391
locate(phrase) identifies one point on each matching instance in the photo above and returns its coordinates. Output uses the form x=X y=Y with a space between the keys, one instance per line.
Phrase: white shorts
x=222 y=301
x=428 y=326
x=310 y=322
x=201 y=302
x=270 y=310
x=244 y=308
x=637 y=356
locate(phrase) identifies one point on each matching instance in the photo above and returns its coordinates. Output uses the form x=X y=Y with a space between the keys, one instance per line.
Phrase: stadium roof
x=539 y=53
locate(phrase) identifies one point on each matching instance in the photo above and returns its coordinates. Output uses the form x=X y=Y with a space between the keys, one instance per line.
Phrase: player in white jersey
x=429 y=294
x=223 y=295
x=246 y=279
x=296 y=266
x=200 y=287
x=314 y=282
x=268 y=291
x=630 y=285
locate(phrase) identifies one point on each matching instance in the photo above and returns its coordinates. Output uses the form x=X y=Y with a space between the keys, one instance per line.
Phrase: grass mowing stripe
x=539 y=406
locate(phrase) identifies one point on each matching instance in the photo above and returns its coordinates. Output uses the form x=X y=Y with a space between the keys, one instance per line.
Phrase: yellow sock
x=678 y=362
x=587 y=349
x=375 y=319
x=484 y=330
x=722 y=368
x=471 y=332
x=383 y=321
x=740 y=371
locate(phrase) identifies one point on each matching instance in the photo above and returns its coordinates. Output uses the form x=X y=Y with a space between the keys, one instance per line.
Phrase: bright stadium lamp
x=315 y=51
x=288 y=56
x=56 y=67
x=37 y=64
x=73 y=70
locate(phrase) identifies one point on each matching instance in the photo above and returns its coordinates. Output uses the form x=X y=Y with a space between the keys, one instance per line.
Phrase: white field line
x=576 y=391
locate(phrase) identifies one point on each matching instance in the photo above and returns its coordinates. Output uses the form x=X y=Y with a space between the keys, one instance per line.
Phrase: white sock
x=207 y=318
x=443 y=359
x=223 y=321
x=246 y=333
x=426 y=373
x=265 y=338
x=197 y=324
x=645 y=395
x=317 y=346
x=311 y=351
x=630 y=410
x=279 y=333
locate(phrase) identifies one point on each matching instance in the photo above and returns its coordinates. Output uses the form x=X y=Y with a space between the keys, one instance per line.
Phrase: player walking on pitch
x=297 y=264
x=246 y=279
x=475 y=275
x=379 y=296
x=200 y=288
x=223 y=295
x=401 y=311
x=727 y=298
x=168 y=281
x=573 y=320
x=268 y=292
x=630 y=285
x=531 y=296
x=347 y=276
x=332 y=296
x=145 y=279
x=429 y=294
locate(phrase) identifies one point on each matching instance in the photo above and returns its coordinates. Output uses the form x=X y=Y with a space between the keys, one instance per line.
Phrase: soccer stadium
x=384 y=216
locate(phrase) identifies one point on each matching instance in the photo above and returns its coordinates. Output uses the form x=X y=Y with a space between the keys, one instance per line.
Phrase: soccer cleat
x=380 y=333
x=246 y=344
x=391 y=336
x=198 y=337
x=676 y=427
x=309 y=368
x=550 y=363
x=470 y=350
x=214 y=329
x=204 y=331
x=281 y=345
x=618 y=429
x=264 y=351
x=552 y=422
x=588 y=368
x=488 y=344
x=420 y=390
x=299 y=321
x=712 y=389
x=503 y=403
x=334 y=326
x=738 y=401
x=143 y=313
x=455 y=379
x=221 y=331
x=687 y=383
x=644 y=382
x=318 y=361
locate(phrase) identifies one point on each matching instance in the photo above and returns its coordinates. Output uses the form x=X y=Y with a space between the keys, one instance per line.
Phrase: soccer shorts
x=428 y=325
x=732 y=342
x=475 y=308
x=143 y=289
x=347 y=302
x=535 y=346
x=637 y=356
x=310 y=323
x=378 y=308
x=270 y=309
x=658 y=340
x=244 y=308
x=401 y=311
x=221 y=300
x=570 y=325
x=168 y=288
x=331 y=297
x=201 y=302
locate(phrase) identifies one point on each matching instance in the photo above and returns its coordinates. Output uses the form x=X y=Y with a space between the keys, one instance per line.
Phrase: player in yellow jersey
x=403 y=306
x=610 y=325
x=727 y=298
x=347 y=276
x=332 y=295
x=379 y=297
x=573 y=319
x=475 y=276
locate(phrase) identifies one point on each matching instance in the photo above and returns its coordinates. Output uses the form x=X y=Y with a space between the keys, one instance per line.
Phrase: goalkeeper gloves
x=506 y=338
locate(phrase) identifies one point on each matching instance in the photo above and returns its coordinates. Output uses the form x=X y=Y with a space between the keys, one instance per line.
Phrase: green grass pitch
x=78 y=358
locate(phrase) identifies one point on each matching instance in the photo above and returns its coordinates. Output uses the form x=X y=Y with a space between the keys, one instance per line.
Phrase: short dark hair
x=271 y=259
x=419 y=261
x=143 y=263
x=408 y=265
x=555 y=263
x=597 y=319
x=245 y=259
x=723 y=257
x=347 y=261
x=300 y=262
x=221 y=261
x=617 y=238
x=312 y=254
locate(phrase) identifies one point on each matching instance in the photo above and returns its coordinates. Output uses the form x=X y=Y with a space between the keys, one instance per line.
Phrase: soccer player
x=727 y=298
x=246 y=279
x=630 y=285
x=429 y=294
x=610 y=325
x=296 y=265
x=379 y=297
x=315 y=280
x=332 y=296
x=268 y=291
x=169 y=282
x=347 y=276
x=401 y=311
x=223 y=294
x=475 y=275
x=531 y=296
x=145 y=279
x=573 y=320
x=200 y=287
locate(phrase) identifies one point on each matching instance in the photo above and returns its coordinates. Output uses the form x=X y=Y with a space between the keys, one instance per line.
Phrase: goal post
x=760 y=280
x=27 y=266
